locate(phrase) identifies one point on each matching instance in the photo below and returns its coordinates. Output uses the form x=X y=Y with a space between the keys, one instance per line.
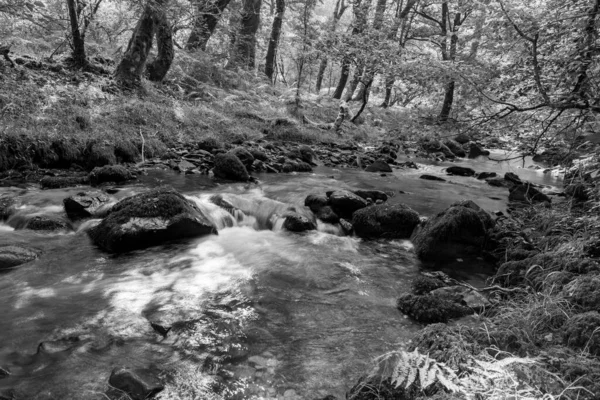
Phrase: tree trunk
x=354 y=83
x=79 y=56
x=448 y=100
x=129 y=71
x=244 y=51
x=274 y=41
x=389 y=85
x=449 y=55
x=158 y=68
x=321 y=73
x=361 y=11
x=207 y=18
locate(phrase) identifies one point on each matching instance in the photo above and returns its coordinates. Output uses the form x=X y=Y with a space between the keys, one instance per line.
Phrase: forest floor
x=53 y=117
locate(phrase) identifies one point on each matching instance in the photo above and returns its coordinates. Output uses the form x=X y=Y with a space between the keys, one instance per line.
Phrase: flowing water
x=277 y=314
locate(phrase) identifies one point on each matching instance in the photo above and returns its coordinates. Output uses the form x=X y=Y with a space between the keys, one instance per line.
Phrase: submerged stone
x=45 y=223
x=461 y=171
x=150 y=219
x=13 y=256
x=295 y=222
x=379 y=166
x=85 y=204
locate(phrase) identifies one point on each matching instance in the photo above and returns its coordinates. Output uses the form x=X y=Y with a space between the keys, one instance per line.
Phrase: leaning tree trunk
x=130 y=69
x=79 y=56
x=158 y=68
x=343 y=79
x=244 y=50
x=354 y=83
x=207 y=18
x=340 y=8
x=448 y=101
x=321 y=73
x=274 y=41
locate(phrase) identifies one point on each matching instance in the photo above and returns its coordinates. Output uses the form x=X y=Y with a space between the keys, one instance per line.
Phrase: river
x=274 y=314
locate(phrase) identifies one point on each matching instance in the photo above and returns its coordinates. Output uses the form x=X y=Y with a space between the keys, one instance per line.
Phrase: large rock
x=244 y=155
x=316 y=201
x=379 y=166
x=296 y=166
x=385 y=220
x=458 y=231
x=527 y=193
x=307 y=154
x=461 y=171
x=462 y=138
x=295 y=222
x=455 y=148
x=345 y=202
x=110 y=173
x=228 y=166
x=150 y=219
x=435 y=146
x=428 y=177
x=476 y=150
x=327 y=214
x=44 y=223
x=139 y=384
x=86 y=205
x=13 y=256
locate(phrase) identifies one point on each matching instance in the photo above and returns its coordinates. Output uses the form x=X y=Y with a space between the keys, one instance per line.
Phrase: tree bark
x=274 y=40
x=358 y=72
x=244 y=51
x=158 y=68
x=79 y=56
x=129 y=71
x=207 y=17
x=449 y=55
x=345 y=73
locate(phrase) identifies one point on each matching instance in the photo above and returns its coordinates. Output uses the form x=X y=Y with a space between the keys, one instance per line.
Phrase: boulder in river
x=385 y=220
x=428 y=177
x=527 y=193
x=228 y=166
x=345 y=202
x=512 y=178
x=295 y=222
x=110 y=173
x=45 y=223
x=458 y=231
x=13 y=256
x=85 y=204
x=461 y=171
x=455 y=148
x=316 y=201
x=435 y=146
x=476 y=150
x=326 y=214
x=139 y=384
x=307 y=154
x=485 y=175
x=379 y=166
x=58 y=182
x=150 y=219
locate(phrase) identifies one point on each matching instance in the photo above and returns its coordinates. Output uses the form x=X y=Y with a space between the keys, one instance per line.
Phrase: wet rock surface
x=139 y=384
x=86 y=204
x=149 y=219
x=13 y=256
x=385 y=220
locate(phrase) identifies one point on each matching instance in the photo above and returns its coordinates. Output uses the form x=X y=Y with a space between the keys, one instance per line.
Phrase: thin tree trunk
x=274 y=40
x=207 y=18
x=358 y=72
x=343 y=79
x=158 y=68
x=129 y=71
x=321 y=73
x=79 y=56
x=449 y=56
x=244 y=52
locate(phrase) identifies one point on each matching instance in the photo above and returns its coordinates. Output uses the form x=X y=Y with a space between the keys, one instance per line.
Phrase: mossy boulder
x=435 y=146
x=430 y=308
x=150 y=219
x=582 y=331
x=13 y=256
x=44 y=223
x=456 y=232
x=379 y=166
x=244 y=155
x=209 y=144
x=295 y=222
x=296 y=166
x=228 y=166
x=307 y=154
x=476 y=150
x=385 y=220
x=85 y=204
x=584 y=292
x=425 y=284
x=455 y=148
x=258 y=154
x=110 y=173
x=527 y=193
x=99 y=154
